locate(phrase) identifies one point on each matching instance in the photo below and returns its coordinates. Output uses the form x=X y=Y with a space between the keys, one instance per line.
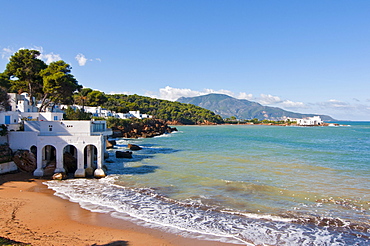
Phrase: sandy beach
x=31 y=214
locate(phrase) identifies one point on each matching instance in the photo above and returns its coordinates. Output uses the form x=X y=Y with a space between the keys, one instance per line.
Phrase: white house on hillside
x=19 y=109
x=105 y=113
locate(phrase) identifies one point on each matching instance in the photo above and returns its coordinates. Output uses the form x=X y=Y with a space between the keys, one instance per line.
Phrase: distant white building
x=137 y=114
x=310 y=121
x=105 y=113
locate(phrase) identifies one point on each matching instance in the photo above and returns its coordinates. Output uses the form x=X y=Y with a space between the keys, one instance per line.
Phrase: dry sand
x=30 y=213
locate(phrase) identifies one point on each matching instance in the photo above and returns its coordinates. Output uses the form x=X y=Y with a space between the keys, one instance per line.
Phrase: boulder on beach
x=133 y=147
x=25 y=160
x=123 y=154
x=59 y=176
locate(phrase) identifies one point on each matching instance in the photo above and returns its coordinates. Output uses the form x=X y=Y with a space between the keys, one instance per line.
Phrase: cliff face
x=150 y=128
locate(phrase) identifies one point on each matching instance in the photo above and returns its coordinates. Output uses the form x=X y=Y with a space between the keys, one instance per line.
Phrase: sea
x=240 y=184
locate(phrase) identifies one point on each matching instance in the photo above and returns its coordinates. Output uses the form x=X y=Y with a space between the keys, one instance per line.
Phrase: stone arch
x=49 y=154
x=70 y=155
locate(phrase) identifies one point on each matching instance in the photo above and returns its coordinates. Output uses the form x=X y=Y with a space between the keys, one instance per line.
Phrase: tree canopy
x=58 y=84
x=4 y=99
x=48 y=83
x=24 y=70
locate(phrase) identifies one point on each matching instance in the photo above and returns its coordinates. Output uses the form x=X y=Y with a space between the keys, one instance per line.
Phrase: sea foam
x=147 y=208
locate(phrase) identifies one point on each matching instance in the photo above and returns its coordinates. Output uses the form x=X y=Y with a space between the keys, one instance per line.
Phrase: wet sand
x=30 y=213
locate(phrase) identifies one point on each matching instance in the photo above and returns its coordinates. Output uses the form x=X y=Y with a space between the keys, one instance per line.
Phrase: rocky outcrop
x=149 y=128
x=206 y=122
x=25 y=160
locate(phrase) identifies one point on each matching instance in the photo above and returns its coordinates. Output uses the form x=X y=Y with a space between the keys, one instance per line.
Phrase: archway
x=90 y=157
x=70 y=159
x=33 y=150
x=48 y=159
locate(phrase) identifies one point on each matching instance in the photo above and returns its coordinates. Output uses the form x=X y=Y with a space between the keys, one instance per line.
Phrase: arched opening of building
x=90 y=157
x=49 y=159
x=70 y=159
x=33 y=150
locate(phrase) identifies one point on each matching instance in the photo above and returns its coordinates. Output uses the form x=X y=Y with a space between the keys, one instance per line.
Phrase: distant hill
x=227 y=107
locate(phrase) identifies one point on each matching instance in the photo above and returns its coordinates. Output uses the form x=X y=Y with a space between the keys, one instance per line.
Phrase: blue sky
x=303 y=56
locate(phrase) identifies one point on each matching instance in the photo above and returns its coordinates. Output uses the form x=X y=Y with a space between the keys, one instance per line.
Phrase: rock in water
x=123 y=154
x=25 y=160
x=133 y=147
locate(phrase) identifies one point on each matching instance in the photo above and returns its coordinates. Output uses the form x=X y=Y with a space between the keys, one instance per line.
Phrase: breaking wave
x=192 y=218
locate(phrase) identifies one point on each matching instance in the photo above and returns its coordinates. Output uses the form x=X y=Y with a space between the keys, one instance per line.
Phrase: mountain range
x=227 y=106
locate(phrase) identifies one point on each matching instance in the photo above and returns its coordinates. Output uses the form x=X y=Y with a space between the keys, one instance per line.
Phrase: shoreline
x=32 y=214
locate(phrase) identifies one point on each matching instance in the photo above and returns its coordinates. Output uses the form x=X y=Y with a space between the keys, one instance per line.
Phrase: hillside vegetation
x=173 y=112
x=162 y=109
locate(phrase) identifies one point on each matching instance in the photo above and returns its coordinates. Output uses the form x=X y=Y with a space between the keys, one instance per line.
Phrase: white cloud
x=49 y=58
x=6 y=53
x=243 y=95
x=291 y=104
x=268 y=99
x=81 y=59
x=172 y=94
x=335 y=104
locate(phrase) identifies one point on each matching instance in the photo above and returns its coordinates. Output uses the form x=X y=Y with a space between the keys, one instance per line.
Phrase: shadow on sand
x=16 y=176
x=116 y=243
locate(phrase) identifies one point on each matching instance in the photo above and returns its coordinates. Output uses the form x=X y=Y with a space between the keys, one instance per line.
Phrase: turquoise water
x=242 y=184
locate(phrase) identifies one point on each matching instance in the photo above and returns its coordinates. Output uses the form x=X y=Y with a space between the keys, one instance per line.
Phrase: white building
x=49 y=137
x=49 y=140
x=310 y=121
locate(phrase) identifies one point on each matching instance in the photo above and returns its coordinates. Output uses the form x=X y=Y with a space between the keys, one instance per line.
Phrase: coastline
x=31 y=214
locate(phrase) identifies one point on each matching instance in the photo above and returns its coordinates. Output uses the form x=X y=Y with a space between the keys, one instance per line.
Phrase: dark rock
x=123 y=154
x=25 y=160
x=134 y=147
